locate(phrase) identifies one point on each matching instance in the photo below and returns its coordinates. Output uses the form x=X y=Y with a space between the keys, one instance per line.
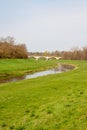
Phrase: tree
x=8 y=49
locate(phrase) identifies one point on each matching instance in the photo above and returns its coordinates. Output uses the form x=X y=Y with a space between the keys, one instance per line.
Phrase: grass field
x=53 y=102
x=18 y=67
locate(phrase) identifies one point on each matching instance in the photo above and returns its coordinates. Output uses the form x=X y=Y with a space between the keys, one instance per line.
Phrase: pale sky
x=45 y=25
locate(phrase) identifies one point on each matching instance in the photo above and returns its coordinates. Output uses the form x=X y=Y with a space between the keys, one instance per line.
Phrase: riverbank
x=54 y=102
x=12 y=68
x=60 y=68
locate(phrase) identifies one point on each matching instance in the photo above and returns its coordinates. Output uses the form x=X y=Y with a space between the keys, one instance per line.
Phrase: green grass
x=53 y=102
x=18 y=67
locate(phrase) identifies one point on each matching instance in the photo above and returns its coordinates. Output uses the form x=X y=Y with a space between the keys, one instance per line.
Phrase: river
x=59 y=69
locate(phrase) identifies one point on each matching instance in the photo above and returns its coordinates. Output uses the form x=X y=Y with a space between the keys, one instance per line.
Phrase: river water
x=59 y=69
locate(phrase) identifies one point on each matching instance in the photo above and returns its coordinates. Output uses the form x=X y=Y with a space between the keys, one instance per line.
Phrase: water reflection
x=59 y=69
x=42 y=73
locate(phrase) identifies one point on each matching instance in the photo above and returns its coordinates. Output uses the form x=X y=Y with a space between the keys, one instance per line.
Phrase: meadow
x=18 y=67
x=53 y=102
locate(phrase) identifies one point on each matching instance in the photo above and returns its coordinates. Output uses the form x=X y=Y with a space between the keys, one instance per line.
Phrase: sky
x=45 y=25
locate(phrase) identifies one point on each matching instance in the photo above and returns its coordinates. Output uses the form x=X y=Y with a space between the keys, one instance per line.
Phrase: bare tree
x=8 y=49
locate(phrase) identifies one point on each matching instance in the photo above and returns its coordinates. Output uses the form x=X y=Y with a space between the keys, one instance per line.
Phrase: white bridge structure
x=45 y=57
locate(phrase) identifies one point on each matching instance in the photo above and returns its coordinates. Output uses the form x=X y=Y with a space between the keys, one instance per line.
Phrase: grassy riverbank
x=18 y=67
x=54 y=102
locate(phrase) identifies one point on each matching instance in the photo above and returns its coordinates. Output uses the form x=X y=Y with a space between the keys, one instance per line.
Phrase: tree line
x=75 y=53
x=10 y=49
